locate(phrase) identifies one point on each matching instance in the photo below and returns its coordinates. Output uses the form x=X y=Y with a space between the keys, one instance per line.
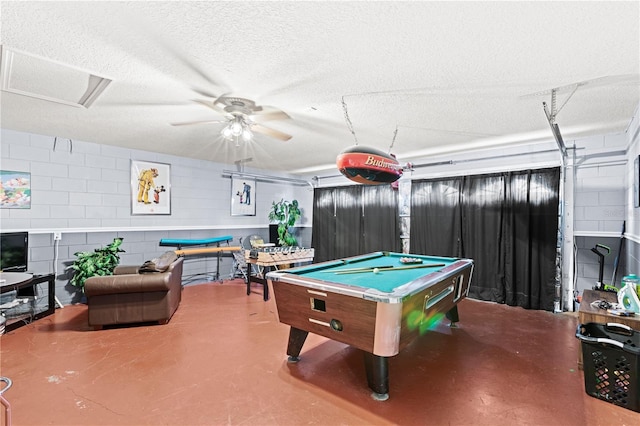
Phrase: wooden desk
x=588 y=313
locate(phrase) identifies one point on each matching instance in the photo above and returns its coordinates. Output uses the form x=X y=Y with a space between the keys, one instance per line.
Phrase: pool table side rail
x=294 y=307
x=354 y=260
x=378 y=327
x=396 y=296
x=432 y=304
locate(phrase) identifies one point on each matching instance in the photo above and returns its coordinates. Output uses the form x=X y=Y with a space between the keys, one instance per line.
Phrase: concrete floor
x=221 y=361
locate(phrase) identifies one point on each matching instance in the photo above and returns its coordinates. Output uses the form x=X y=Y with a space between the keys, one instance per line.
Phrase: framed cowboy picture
x=150 y=188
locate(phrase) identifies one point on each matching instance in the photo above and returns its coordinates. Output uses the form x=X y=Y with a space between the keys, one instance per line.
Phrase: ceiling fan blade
x=257 y=128
x=189 y=123
x=207 y=94
x=212 y=105
x=269 y=115
x=172 y=51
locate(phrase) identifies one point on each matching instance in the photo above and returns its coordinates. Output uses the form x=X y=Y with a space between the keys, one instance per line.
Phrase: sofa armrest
x=126 y=269
x=128 y=283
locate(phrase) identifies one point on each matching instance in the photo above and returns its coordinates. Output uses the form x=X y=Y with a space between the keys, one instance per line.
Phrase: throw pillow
x=159 y=264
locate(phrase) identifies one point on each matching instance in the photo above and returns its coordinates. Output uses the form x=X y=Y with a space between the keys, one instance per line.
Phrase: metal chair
x=4 y=402
x=239 y=268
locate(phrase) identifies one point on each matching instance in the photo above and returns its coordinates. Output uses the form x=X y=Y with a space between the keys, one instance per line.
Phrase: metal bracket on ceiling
x=55 y=142
x=551 y=118
x=554 y=110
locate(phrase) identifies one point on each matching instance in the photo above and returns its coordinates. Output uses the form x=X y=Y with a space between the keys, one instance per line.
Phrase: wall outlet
x=57 y=236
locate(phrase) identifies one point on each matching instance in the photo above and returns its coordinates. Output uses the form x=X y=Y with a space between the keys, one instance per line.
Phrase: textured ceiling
x=447 y=75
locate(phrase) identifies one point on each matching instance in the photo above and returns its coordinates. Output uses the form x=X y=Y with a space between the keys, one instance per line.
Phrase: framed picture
x=636 y=182
x=150 y=188
x=15 y=190
x=243 y=194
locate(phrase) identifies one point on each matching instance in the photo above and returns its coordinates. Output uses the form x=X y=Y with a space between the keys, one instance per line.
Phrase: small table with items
x=378 y=302
x=592 y=311
x=267 y=257
x=15 y=281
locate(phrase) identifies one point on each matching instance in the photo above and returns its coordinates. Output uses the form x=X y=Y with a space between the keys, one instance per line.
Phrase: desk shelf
x=39 y=310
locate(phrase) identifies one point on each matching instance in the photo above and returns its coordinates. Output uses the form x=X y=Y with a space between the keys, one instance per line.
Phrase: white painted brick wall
x=633 y=213
x=89 y=187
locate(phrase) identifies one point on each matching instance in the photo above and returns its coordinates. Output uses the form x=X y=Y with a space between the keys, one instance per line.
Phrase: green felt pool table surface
x=391 y=274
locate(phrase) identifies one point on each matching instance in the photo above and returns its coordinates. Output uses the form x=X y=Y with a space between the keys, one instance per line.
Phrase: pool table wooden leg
x=296 y=340
x=377 y=368
x=452 y=315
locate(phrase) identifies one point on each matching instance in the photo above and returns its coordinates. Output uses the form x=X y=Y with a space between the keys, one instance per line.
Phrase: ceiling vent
x=29 y=75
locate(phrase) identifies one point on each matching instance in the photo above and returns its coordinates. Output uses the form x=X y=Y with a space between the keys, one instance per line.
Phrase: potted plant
x=101 y=261
x=285 y=214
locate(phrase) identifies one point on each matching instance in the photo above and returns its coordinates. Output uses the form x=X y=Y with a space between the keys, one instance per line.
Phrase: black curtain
x=435 y=212
x=353 y=220
x=380 y=219
x=324 y=225
x=506 y=222
x=348 y=218
x=482 y=237
x=532 y=230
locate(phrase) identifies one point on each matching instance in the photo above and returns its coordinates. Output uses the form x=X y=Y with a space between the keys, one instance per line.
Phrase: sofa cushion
x=159 y=264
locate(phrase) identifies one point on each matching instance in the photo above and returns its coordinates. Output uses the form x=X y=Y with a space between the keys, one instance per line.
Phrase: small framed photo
x=243 y=193
x=150 y=188
x=15 y=190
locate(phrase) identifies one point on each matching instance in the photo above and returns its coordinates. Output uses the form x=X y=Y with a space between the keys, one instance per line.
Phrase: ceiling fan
x=243 y=118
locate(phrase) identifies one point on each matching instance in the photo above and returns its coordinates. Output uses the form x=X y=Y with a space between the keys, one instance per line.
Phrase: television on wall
x=14 y=251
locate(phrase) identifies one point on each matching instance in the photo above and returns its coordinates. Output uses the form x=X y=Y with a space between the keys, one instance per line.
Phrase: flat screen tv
x=14 y=251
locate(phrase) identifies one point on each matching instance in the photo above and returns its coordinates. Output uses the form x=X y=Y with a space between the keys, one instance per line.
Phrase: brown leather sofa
x=136 y=293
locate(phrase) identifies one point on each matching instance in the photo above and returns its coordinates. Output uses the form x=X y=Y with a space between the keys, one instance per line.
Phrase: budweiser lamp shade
x=368 y=165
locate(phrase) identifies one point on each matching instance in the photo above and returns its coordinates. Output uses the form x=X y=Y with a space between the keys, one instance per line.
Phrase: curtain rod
x=468 y=160
x=299 y=182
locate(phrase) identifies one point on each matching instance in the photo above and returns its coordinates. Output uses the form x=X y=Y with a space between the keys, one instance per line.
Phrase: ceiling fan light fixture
x=247 y=135
x=236 y=127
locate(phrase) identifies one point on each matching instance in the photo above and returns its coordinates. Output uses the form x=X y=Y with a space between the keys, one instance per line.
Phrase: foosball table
x=265 y=257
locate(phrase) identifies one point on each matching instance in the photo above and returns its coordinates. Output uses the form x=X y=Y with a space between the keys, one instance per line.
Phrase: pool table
x=378 y=302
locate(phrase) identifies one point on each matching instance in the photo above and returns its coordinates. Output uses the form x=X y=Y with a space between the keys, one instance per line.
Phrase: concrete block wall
x=600 y=188
x=633 y=212
x=82 y=190
x=600 y=183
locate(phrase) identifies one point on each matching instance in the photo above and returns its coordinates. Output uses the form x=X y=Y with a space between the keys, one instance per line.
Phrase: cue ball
x=376 y=270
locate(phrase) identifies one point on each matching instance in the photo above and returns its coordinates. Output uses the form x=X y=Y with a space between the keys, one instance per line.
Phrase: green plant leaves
x=285 y=214
x=100 y=262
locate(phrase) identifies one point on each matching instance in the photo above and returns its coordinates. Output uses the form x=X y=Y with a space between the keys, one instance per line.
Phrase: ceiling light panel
x=29 y=75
